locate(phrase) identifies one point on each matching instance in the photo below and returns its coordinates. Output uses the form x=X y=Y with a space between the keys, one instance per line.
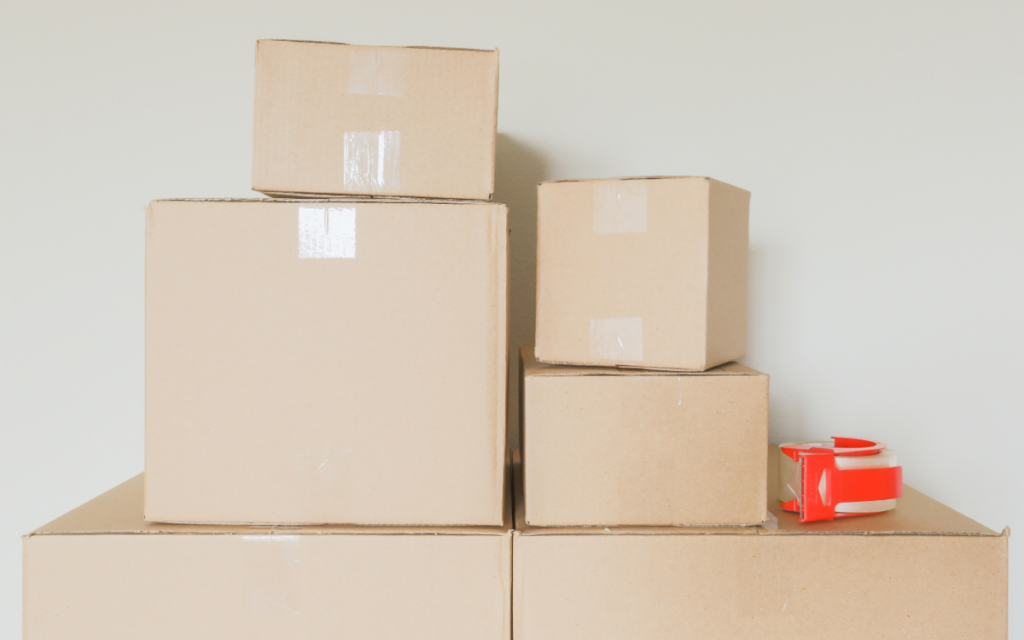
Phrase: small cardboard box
x=605 y=447
x=325 y=362
x=920 y=571
x=101 y=572
x=648 y=273
x=387 y=121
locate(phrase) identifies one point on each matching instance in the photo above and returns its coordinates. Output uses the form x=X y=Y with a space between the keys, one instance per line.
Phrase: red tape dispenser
x=846 y=477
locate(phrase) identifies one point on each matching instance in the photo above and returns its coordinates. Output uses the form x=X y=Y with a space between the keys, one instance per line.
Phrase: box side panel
x=212 y=587
x=340 y=119
x=507 y=565
x=522 y=410
x=784 y=587
x=622 y=273
x=645 y=450
x=283 y=389
x=500 y=234
x=518 y=583
x=728 y=250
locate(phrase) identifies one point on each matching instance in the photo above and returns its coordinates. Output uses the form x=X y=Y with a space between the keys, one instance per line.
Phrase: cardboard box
x=648 y=273
x=920 y=571
x=103 y=573
x=605 y=446
x=392 y=121
x=325 y=362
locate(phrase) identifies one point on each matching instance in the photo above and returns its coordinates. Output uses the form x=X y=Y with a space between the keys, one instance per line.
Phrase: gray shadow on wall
x=518 y=169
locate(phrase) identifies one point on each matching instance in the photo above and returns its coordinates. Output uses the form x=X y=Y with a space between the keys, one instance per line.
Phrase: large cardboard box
x=642 y=272
x=103 y=573
x=325 y=362
x=606 y=446
x=391 y=121
x=920 y=571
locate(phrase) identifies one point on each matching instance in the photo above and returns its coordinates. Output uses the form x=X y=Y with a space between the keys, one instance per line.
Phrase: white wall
x=883 y=143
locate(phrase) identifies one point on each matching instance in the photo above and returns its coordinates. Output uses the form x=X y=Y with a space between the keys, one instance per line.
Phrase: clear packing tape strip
x=617 y=339
x=372 y=161
x=373 y=158
x=620 y=206
x=327 y=232
x=846 y=477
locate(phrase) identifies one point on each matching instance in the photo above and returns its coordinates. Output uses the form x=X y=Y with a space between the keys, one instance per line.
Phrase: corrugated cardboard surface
x=605 y=446
x=443 y=102
x=920 y=571
x=102 y=572
x=365 y=390
x=684 y=276
x=728 y=258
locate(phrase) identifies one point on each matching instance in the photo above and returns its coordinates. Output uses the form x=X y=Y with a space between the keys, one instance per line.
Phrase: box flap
x=533 y=367
x=119 y=511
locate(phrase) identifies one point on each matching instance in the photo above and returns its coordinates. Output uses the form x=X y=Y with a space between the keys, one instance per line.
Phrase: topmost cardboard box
x=335 y=119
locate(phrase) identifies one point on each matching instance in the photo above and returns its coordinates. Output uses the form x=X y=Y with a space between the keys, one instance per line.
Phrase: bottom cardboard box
x=919 y=571
x=101 y=571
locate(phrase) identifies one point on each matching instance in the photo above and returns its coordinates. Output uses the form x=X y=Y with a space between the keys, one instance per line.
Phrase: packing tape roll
x=789 y=475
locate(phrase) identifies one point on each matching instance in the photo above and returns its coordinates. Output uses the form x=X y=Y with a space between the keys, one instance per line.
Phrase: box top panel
x=533 y=368
x=300 y=199
x=706 y=178
x=915 y=514
x=347 y=44
x=119 y=511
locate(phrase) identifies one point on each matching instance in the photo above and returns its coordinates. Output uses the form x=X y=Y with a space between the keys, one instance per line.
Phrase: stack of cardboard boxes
x=325 y=379
x=325 y=408
x=646 y=494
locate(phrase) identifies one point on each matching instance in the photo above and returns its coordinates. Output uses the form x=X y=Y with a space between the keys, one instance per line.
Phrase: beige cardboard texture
x=336 y=119
x=648 y=273
x=102 y=572
x=325 y=362
x=606 y=446
x=920 y=571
